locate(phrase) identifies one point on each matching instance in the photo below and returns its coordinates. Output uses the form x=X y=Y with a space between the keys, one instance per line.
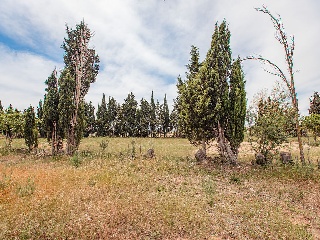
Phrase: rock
x=200 y=155
x=286 y=158
x=260 y=159
x=149 y=154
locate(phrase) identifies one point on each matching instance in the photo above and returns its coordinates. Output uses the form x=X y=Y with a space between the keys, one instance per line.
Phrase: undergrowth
x=110 y=191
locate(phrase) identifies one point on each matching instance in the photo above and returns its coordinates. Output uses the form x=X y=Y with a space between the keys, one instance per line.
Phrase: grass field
x=116 y=193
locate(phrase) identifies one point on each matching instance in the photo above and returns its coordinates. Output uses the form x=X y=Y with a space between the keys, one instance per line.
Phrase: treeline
x=128 y=119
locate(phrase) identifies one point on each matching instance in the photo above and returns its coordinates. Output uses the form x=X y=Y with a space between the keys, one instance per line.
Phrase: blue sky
x=144 y=44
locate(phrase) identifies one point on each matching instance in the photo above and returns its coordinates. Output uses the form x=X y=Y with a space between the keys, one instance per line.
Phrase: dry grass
x=117 y=194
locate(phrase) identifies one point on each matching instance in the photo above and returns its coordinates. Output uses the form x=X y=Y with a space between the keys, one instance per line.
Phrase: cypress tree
x=40 y=122
x=65 y=106
x=90 y=120
x=165 y=118
x=237 y=107
x=129 y=111
x=112 y=109
x=83 y=65
x=211 y=99
x=191 y=106
x=153 y=118
x=144 y=121
x=50 y=111
x=30 y=129
x=315 y=104
x=102 y=117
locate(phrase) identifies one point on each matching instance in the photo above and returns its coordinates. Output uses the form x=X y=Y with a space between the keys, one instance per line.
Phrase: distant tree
x=129 y=111
x=165 y=117
x=11 y=124
x=30 y=129
x=153 y=118
x=90 y=120
x=83 y=65
x=40 y=122
x=315 y=104
x=144 y=118
x=120 y=123
x=50 y=111
x=289 y=46
x=174 y=121
x=102 y=117
x=112 y=109
x=312 y=123
x=158 y=121
x=1 y=107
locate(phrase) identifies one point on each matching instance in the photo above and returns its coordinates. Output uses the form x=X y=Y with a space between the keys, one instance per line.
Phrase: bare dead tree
x=289 y=47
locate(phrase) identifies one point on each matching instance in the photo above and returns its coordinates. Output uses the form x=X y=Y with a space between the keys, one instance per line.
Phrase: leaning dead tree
x=288 y=46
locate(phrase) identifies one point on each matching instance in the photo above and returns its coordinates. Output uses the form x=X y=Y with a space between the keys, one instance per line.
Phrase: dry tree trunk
x=54 y=143
x=282 y=38
x=71 y=148
x=225 y=148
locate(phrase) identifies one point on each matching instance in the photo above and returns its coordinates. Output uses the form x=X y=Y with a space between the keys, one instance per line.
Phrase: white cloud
x=144 y=44
x=22 y=77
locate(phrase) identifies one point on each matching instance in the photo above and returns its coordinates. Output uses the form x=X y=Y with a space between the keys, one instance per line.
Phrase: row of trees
x=132 y=119
x=129 y=119
x=14 y=123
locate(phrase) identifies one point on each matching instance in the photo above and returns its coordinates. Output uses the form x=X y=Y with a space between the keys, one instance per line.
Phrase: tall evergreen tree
x=237 y=107
x=30 y=129
x=120 y=122
x=50 y=111
x=158 y=118
x=191 y=107
x=1 y=107
x=83 y=64
x=315 y=104
x=112 y=109
x=144 y=122
x=165 y=117
x=40 y=122
x=129 y=111
x=153 y=118
x=174 y=121
x=65 y=106
x=204 y=100
x=90 y=120
x=102 y=117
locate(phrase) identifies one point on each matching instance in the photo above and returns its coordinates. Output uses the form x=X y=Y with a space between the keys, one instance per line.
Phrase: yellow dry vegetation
x=117 y=193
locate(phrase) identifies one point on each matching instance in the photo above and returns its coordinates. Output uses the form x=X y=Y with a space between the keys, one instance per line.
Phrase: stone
x=150 y=153
x=200 y=155
x=286 y=158
x=260 y=159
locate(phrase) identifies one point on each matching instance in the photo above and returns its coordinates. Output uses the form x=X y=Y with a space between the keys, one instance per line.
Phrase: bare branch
x=277 y=71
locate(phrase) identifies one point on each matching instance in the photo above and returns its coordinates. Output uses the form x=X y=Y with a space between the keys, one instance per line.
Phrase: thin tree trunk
x=71 y=148
x=54 y=143
x=204 y=146
x=225 y=148
x=296 y=107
